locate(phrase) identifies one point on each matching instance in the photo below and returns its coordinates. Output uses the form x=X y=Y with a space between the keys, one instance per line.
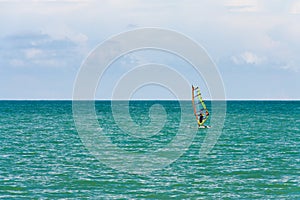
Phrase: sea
x=44 y=153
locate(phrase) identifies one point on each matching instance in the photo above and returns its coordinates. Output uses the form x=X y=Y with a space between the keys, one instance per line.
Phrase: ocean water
x=257 y=155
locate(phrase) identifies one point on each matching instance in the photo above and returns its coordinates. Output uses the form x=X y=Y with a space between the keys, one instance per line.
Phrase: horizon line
x=147 y=100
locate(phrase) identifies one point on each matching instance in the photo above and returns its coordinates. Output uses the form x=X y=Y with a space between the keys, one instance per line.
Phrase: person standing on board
x=201 y=118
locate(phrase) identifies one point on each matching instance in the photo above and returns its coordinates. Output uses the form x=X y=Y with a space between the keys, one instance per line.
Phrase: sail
x=199 y=106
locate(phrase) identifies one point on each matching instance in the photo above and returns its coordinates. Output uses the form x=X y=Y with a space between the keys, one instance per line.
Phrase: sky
x=255 y=44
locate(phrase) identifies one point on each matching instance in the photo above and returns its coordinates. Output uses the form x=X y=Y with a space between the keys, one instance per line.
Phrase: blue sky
x=254 y=43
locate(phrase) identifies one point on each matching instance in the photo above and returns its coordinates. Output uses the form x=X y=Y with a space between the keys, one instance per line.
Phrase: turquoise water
x=256 y=156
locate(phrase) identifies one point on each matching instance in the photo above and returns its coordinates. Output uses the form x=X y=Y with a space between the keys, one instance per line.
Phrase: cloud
x=45 y=1
x=32 y=53
x=248 y=58
x=263 y=6
x=243 y=6
x=251 y=58
x=63 y=32
x=290 y=66
x=132 y=26
x=40 y=50
x=295 y=8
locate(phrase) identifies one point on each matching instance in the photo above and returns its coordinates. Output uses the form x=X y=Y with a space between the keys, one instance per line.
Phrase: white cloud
x=291 y=66
x=295 y=8
x=248 y=58
x=243 y=6
x=63 y=32
x=32 y=53
x=41 y=50
x=266 y=6
x=251 y=58
x=45 y=1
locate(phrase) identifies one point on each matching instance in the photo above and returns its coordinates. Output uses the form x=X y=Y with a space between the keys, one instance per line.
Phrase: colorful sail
x=200 y=110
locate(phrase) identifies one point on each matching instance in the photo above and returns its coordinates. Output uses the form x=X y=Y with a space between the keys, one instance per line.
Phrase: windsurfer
x=201 y=118
x=199 y=106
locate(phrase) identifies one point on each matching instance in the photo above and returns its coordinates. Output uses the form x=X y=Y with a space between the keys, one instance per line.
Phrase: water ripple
x=257 y=156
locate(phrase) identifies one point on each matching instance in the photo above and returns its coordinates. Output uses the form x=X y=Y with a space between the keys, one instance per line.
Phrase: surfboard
x=204 y=127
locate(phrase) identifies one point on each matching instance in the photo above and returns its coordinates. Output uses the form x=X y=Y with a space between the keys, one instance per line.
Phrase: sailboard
x=199 y=107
